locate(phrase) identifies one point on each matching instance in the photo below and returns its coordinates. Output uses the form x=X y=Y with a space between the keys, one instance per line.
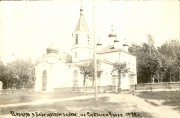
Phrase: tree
x=87 y=70
x=178 y=64
x=162 y=63
x=3 y=74
x=68 y=58
x=169 y=58
x=147 y=60
x=120 y=68
x=20 y=74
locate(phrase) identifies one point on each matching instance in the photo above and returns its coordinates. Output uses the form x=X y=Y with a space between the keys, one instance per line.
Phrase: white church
x=52 y=72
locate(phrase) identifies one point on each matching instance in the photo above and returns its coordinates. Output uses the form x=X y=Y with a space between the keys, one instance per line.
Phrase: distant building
x=53 y=72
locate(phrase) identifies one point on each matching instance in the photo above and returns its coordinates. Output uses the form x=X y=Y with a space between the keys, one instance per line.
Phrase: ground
x=168 y=98
x=126 y=105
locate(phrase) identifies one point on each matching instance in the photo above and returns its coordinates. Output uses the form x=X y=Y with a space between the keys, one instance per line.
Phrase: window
x=88 y=36
x=90 y=54
x=75 y=54
x=88 y=39
x=76 y=42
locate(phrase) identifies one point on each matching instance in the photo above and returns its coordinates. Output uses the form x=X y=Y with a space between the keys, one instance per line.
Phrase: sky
x=27 y=28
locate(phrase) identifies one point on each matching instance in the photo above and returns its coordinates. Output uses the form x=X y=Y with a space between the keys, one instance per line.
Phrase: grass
x=171 y=98
x=82 y=108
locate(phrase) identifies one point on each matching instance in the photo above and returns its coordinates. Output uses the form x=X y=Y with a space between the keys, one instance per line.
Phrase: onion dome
x=116 y=40
x=52 y=49
x=112 y=34
x=99 y=43
x=125 y=43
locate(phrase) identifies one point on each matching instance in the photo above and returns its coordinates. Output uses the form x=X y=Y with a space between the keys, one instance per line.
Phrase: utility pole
x=95 y=62
x=150 y=43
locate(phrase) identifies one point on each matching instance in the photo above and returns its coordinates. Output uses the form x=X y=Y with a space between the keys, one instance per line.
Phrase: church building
x=52 y=72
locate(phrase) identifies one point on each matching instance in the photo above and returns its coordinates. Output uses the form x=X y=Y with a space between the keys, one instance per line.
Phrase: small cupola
x=125 y=45
x=112 y=34
x=116 y=43
x=99 y=46
x=112 y=37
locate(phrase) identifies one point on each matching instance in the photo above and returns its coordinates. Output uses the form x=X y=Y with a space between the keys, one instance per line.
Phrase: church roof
x=110 y=49
x=90 y=60
x=81 y=25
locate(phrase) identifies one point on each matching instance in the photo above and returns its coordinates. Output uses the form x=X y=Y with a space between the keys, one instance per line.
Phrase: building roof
x=110 y=48
x=81 y=25
x=90 y=60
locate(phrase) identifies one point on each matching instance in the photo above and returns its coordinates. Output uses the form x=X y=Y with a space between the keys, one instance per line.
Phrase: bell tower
x=82 y=45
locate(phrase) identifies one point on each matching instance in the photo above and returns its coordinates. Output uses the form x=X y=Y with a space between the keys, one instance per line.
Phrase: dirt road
x=128 y=102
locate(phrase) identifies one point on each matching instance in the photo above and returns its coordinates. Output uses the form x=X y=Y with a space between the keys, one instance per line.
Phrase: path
x=155 y=111
x=130 y=102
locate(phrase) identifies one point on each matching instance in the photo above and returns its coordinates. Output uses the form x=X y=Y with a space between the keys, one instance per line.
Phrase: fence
x=139 y=87
x=86 y=89
x=102 y=89
x=16 y=91
x=158 y=86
